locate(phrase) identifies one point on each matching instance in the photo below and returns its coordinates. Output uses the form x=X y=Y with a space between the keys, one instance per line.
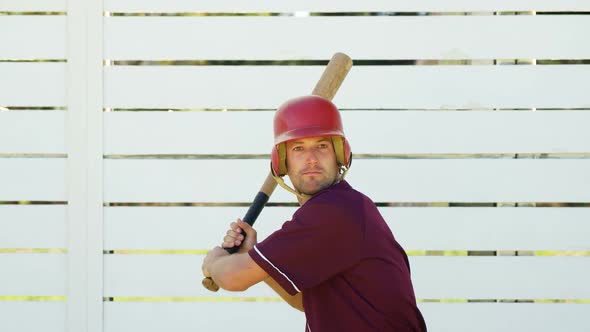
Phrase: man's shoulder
x=342 y=193
x=339 y=188
x=339 y=198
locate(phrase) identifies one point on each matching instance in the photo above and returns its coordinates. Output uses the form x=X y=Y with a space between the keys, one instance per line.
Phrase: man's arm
x=235 y=272
x=239 y=271
x=296 y=301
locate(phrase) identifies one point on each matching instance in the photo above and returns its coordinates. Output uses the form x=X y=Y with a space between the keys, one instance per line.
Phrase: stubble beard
x=313 y=184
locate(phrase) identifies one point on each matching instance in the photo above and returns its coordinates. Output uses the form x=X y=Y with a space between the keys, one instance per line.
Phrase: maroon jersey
x=341 y=254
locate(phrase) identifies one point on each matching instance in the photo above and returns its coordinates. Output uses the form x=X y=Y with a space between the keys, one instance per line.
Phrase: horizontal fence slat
x=181 y=227
x=366 y=87
x=33 y=5
x=163 y=276
x=32 y=179
x=198 y=228
x=392 y=132
x=440 y=317
x=474 y=180
x=361 y=37
x=43 y=316
x=190 y=316
x=32 y=132
x=508 y=317
x=498 y=277
x=32 y=37
x=32 y=274
x=384 y=180
x=33 y=226
x=467 y=132
x=434 y=277
x=341 y=6
x=183 y=132
x=32 y=84
x=491 y=228
x=260 y=316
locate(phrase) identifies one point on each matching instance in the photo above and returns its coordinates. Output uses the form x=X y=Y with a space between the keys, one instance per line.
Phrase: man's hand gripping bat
x=326 y=87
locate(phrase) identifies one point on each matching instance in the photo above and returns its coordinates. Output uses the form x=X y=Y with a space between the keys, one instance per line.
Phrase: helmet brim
x=305 y=133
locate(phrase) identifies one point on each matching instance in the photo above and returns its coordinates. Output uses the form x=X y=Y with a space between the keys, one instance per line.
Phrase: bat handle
x=251 y=215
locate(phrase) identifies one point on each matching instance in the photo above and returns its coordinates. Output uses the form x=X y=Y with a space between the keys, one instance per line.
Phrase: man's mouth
x=312 y=172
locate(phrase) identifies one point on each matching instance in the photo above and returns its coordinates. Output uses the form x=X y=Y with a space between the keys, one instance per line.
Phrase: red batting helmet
x=307 y=116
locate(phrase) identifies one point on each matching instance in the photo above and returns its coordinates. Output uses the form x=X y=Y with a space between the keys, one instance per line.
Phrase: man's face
x=311 y=164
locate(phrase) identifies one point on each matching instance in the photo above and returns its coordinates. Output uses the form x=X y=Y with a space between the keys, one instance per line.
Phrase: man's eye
x=323 y=146
x=297 y=148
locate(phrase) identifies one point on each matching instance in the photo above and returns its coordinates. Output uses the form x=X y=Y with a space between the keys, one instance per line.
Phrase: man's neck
x=302 y=200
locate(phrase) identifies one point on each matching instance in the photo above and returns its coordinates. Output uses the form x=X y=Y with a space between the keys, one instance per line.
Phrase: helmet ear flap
x=279 y=159
x=347 y=153
x=342 y=151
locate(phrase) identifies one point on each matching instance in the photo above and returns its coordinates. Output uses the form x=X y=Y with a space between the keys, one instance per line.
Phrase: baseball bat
x=327 y=86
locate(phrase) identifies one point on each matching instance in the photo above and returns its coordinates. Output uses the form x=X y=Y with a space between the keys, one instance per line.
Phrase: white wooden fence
x=108 y=200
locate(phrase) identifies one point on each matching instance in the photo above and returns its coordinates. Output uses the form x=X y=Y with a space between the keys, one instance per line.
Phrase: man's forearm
x=296 y=301
x=236 y=272
x=225 y=271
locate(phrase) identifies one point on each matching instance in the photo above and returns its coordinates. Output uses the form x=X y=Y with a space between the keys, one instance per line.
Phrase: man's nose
x=311 y=157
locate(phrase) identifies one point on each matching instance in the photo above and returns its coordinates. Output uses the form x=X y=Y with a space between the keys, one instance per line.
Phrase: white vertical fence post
x=84 y=171
x=95 y=159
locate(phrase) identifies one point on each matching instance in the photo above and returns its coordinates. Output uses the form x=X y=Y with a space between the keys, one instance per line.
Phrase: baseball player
x=336 y=259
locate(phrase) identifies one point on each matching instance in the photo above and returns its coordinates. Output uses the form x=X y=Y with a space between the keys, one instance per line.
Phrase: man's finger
x=234 y=235
x=230 y=242
x=234 y=226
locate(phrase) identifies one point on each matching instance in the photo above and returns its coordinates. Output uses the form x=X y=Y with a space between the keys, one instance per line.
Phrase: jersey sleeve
x=320 y=241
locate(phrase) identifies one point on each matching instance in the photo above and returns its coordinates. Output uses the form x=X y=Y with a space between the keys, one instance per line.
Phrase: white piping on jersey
x=308 y=328
x=276 y=268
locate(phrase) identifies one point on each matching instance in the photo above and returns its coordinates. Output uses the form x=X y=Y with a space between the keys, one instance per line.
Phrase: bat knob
x=210 y=284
